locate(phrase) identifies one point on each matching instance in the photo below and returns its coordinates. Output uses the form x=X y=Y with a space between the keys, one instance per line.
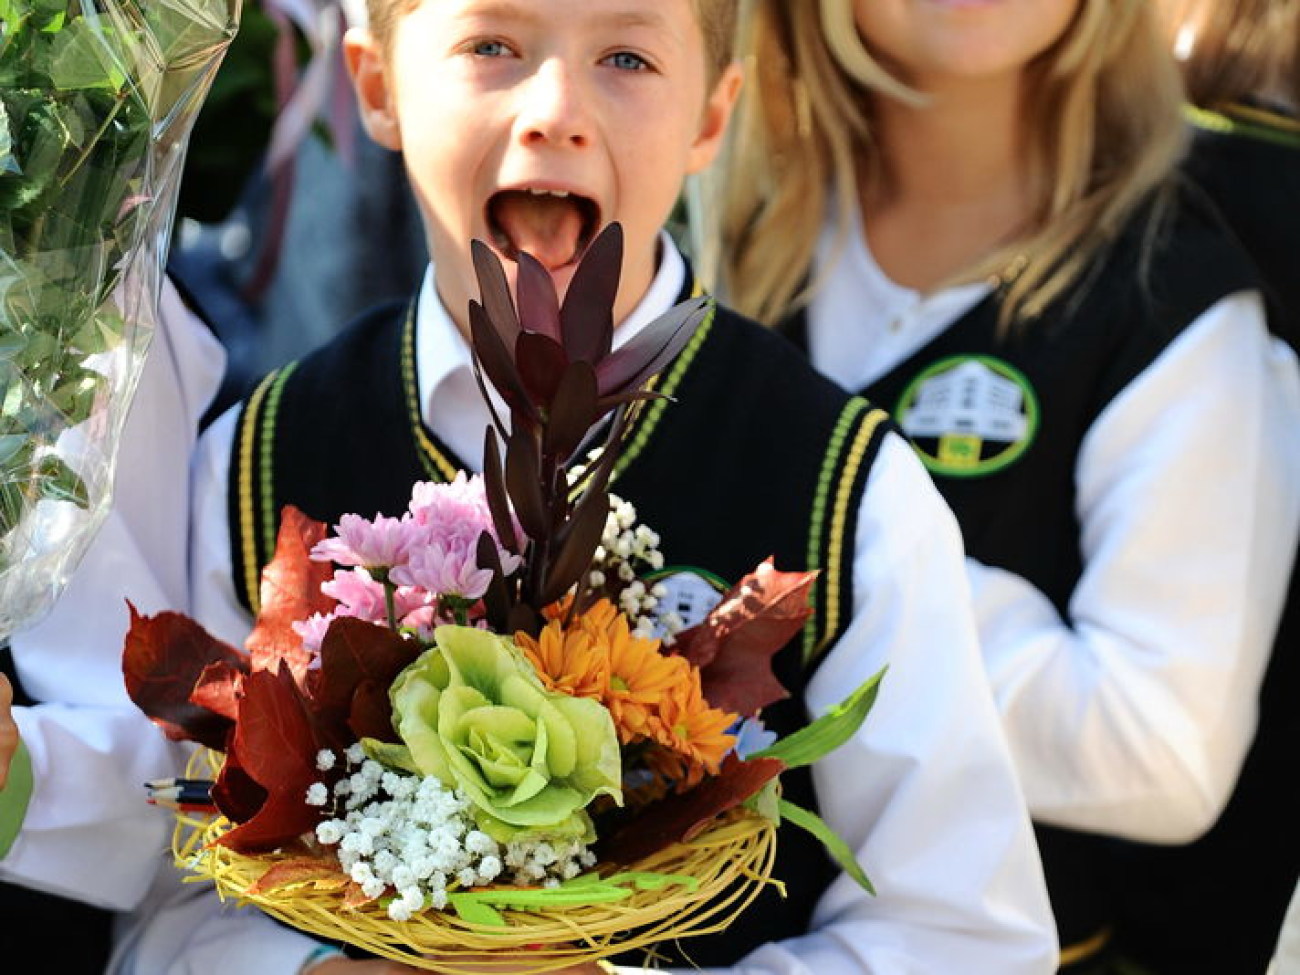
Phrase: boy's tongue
x=547 y=227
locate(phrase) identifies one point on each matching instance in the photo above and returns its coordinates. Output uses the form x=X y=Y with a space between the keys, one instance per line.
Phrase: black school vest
x=1252 y=175
x=1015 y=498
x=754 y=455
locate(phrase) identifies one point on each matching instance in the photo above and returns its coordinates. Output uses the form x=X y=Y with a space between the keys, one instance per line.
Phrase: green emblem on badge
x=968 y=416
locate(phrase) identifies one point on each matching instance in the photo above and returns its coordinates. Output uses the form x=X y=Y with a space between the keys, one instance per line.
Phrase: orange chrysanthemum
x=567 y=661
x=651 y=696
x=691 y=728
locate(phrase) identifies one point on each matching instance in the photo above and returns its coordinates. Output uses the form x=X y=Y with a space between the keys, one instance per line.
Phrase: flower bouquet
x=97 y=98
x=475 y=726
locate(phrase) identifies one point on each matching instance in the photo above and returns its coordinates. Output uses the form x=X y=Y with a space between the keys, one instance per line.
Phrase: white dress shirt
x=925 y=792
x=1133 y=715
x=88 y=832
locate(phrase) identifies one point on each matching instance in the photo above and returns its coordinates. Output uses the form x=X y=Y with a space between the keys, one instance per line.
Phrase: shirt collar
x=442 y=352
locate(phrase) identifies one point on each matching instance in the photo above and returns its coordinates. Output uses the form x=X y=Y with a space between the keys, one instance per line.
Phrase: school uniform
x=753 y=456
x=89 y=844
x=1238 y=879
x=1126 y=472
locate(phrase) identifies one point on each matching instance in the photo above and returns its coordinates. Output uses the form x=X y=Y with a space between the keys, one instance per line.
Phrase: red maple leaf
x=163 y=660
x=680 y=817
x=358 y=663
x=290 y=593
x=275 y=744
x=733 y=646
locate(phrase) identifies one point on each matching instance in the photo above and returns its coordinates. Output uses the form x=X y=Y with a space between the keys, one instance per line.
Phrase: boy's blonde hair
x=1237 y=48
x=717 y=20
x=1106 y=132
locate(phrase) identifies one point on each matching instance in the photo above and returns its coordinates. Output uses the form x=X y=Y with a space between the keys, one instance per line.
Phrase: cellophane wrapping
x=97 y=101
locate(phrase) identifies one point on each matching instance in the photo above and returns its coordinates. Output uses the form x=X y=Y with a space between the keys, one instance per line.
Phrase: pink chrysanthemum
x=448 y=567
x=312 y=630
x=358 y=595
x=378 y=544
x=457 y=509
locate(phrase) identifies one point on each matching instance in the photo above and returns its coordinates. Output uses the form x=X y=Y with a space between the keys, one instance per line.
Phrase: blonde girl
x=967 y=210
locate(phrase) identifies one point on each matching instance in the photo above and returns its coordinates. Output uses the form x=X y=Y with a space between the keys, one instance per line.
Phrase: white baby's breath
x=412 y=838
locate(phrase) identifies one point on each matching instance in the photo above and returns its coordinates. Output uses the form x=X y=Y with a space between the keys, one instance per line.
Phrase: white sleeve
x=185 y=929
x=88 y=833
x=925 y=792
x=216 y=606
x=1133 y=716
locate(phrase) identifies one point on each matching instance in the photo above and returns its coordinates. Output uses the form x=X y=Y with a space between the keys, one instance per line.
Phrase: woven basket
x=730 y=862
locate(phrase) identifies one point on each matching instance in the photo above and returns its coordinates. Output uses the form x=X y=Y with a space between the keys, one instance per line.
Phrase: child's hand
x=8 y=729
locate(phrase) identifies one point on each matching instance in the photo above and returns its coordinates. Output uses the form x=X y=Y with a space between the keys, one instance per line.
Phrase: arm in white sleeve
x=185 y=929
x=1133 y=716
x=925 y=792
x=88 y=833
x=212 y=594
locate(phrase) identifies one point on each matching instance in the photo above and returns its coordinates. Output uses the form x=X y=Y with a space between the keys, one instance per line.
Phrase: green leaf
x=81 y=59
x=59 y=482
x=836 y=847
x=480 y=906
x=828 y=732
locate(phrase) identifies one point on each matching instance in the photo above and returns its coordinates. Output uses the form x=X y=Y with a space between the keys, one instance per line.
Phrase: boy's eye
x=627 y=61
x=490 y=49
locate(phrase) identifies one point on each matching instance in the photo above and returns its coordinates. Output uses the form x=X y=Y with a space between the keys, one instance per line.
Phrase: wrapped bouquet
x=97 y=99
x=483 y=724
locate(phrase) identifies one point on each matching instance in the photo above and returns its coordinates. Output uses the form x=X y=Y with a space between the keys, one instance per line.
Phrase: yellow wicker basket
x=730 y=864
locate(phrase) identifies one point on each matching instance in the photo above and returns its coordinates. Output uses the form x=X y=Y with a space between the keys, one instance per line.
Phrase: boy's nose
x=554 y=109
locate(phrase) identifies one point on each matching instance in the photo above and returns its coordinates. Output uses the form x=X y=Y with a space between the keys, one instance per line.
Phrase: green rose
x=472 y=712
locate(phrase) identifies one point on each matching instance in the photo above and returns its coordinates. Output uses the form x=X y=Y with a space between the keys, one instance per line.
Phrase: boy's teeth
x=560 y=193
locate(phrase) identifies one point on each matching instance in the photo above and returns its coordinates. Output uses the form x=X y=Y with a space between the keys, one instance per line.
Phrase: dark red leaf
x=496 y=600
x=652 y=348
x=733 y=646
x=235 y=793
x=353 y=652
x=218 y=688
x=541 y=364
x=275 y=745
x=497 y=362
x=494 y=289
x=524 y=482
x=587 y=316
x=495 y=488
x=577 y=544
x=162 y=660
x=372 y=713
x=539 y=308
x=573 y=411
x=680 y=817
x=290 y=593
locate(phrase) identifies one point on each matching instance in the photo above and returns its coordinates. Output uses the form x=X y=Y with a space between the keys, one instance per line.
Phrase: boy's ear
x=368 y=66
x=713 y=123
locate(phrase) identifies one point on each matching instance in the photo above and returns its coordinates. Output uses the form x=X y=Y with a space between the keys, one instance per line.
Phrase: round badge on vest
x=689 y=592
x=969 y=415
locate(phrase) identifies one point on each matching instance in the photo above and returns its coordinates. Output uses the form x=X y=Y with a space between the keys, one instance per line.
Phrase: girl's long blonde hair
x=1106 y=127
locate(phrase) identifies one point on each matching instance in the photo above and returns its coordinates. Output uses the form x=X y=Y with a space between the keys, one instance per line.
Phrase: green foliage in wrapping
x=88 y=94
